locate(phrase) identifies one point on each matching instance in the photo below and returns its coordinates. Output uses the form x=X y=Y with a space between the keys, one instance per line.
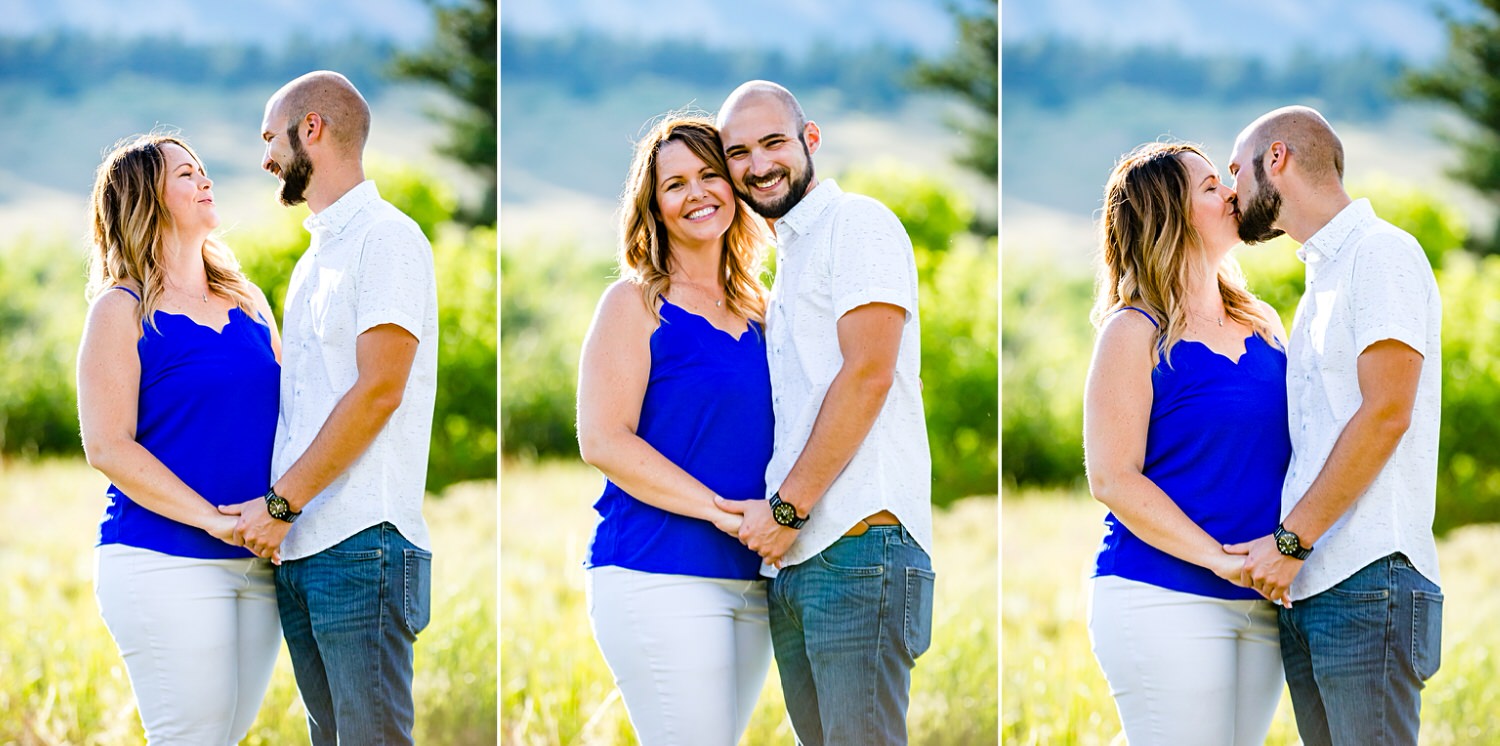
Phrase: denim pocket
x=1426 y=633
x=860 y=556
x=918 y=630
x=353 y=555
x=417 y=590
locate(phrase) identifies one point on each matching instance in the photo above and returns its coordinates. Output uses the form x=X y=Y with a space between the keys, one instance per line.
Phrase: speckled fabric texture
x=368 y=265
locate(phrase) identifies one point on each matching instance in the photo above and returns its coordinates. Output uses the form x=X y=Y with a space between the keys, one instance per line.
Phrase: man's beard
x=295 y=174
x=1262 y=211
x=782 y=205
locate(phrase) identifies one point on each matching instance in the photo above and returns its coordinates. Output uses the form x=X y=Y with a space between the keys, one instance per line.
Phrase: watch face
x=784 y=513
x=1287 y=543
x=277 y=506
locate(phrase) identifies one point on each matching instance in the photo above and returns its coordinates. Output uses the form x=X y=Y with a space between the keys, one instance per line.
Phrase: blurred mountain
x=924 y=26
x=266 y=22
x=1268 y=29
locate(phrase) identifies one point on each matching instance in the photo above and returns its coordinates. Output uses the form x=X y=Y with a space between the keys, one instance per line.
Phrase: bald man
x=358 y=382
x=1354 y=562
x=849 y=515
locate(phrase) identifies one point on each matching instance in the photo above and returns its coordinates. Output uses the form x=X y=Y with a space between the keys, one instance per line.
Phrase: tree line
x=583 y=63
x=1054 y=72
x=65 y=63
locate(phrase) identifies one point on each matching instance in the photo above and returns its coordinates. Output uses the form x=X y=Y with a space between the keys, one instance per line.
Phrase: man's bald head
x=344 y=112
x=761 y=91
x=1308 y=137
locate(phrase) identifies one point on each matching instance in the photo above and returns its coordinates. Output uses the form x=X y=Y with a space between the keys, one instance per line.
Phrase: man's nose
x=759 y=164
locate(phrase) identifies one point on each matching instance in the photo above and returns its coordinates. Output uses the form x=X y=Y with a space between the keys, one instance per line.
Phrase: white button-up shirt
x=1367 y=281
x=834 y=253
x=368 y=265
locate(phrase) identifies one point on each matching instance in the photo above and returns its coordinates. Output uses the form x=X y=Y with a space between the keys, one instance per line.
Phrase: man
x=1354 y=560
x=849 y=518
x=359 y=374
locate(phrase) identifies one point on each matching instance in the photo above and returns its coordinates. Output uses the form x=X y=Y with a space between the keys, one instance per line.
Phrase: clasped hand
x=255 y=529
x=758 y=530
x=1263 y=568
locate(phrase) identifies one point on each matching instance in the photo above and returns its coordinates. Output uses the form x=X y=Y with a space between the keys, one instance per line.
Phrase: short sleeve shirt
x=1367 y=281
x=368 y=265
x=837 y=252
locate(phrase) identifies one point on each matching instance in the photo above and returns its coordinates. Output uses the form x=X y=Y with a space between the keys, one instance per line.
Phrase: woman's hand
x=728 y=522
x=1230 y=567
x=221 y=527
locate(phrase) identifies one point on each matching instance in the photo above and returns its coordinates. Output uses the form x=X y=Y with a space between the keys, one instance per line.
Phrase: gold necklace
x=1219 y=321
x=719 y=303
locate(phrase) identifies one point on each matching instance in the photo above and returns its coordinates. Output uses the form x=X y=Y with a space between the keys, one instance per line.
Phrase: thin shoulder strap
x=1139 y=311
x=128 y=290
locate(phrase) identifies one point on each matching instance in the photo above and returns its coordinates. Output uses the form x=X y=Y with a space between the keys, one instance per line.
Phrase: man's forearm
x=1361 y=451
x=349 y=430
x=848 y=412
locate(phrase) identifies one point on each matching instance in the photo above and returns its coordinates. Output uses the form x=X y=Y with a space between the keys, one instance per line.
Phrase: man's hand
x=759 y=530
x=1267 y=570
x=257 y=530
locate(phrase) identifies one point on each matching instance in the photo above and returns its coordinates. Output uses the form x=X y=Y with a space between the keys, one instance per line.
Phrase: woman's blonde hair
x=645 y=254
x=1147 y=232
x=128 y=218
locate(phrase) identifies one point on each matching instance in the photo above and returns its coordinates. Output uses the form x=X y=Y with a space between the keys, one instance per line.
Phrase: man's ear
x=313 y=127
x=1276 y=157
x=812 y=136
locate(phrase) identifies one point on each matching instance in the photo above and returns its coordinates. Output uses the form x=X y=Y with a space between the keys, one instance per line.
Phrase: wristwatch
x=278 y=507
x=784 y=512
x=1290 y=544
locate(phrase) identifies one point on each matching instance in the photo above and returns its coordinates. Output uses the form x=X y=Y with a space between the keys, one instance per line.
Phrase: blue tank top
x=1218 y=445
x=207 y=410
x=707 y=409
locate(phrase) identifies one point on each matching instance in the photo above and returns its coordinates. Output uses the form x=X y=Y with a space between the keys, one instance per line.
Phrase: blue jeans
x=351 y=614
x=1358 y=654
x=847 y=626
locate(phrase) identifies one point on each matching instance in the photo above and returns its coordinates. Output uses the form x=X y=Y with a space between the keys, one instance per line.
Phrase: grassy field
x=1054 y=692
x=61 y=677
x=556 y=688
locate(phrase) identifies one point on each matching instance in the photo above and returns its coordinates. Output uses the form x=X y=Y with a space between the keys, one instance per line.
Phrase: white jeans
x=689 y=654
x=1184 y=668
x=199 y=638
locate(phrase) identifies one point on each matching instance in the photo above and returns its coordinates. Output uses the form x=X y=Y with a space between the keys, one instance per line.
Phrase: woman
x=1185 y=434
x=674 y=406
x=178 y=377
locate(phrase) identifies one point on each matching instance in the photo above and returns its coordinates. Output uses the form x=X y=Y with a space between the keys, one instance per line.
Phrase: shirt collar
x=810 y=208
x=1326 y=242
x=335 y=218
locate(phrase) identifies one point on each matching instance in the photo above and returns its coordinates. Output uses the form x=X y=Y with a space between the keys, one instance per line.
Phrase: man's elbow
x=875 y=381
x=1393 y=419
x=385 y=398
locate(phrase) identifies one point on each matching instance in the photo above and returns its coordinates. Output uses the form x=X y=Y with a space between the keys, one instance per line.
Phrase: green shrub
x=547 y=299
x=1045 y=341
x=41 y=319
